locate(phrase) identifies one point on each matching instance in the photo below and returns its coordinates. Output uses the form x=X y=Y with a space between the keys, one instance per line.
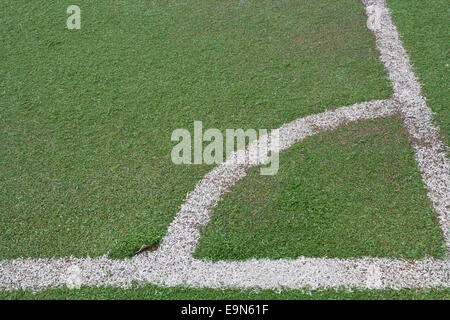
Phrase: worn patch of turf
x=86 y=115
x=352 y=192
x=424 y=27
x=151 y=292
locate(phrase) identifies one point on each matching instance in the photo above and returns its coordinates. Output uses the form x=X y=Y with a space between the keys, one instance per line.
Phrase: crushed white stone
x=172 y=264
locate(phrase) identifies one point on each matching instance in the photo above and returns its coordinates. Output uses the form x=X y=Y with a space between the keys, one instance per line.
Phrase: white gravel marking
x=417 y=117
x=184 y=232
x=172 y=264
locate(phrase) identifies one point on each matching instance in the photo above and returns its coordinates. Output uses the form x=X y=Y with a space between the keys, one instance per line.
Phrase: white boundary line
x=172 y=264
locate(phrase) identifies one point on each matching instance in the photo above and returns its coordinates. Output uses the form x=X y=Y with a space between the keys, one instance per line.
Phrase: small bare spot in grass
x=146 y=248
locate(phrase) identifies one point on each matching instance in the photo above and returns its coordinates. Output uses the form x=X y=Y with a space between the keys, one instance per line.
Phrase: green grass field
x=86 y=118
x=424 y=26
x=87 y=115
x=150 y=292
x=351 y=192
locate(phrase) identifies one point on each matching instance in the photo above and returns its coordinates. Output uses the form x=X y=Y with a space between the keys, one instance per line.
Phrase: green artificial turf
x=352 y=192
x=424 y=27
x=86 y=115
x=150 y=292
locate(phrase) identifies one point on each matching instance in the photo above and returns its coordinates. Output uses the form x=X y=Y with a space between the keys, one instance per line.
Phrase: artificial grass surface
x=151 y=292
x=424 y=27
x=352 y=192
x=86 y=115
x=33 y=40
